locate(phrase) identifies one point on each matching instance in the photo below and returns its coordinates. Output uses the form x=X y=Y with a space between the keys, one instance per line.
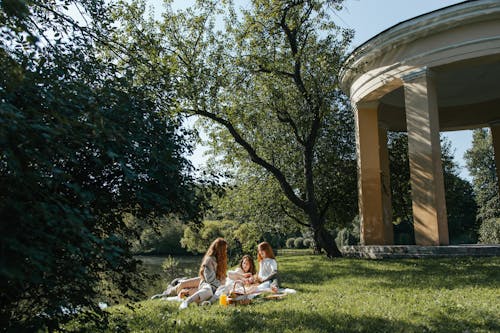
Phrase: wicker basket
x=238 y=298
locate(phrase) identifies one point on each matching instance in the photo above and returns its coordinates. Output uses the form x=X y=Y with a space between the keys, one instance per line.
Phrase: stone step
x=418 y=251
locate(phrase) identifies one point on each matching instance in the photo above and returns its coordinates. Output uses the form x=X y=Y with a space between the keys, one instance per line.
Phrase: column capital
x=417 y=74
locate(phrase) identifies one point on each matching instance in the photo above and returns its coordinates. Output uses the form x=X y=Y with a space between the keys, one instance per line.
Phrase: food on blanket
x=275 y=296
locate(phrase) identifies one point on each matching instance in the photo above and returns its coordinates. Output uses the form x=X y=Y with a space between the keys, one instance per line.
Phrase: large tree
x=255 y=197
x=265 y=84
x=480 y=160
x=80 y=146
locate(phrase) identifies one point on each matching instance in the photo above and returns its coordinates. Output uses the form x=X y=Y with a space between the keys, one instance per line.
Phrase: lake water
x=185 y=266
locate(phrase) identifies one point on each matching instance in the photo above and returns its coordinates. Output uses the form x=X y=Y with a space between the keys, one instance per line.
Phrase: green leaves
x=82 y=142
x=481 y=164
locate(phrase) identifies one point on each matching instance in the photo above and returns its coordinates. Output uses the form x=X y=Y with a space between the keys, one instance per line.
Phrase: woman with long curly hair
x=212 y=273
x=268 y=267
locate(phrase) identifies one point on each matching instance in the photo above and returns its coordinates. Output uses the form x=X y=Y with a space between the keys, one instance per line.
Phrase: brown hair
x=217 y=249
x=252 y=270
x=267 y=249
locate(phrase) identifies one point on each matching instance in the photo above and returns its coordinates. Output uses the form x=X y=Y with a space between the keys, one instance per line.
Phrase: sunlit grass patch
x=346 y=295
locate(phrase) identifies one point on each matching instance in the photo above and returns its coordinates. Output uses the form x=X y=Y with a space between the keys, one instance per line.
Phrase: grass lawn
x=346 y=295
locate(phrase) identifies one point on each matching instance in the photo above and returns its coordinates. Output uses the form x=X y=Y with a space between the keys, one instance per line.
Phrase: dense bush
x=308 y=243
x=81 y=146
x=298 y=243
x=164 y=237
x=290 y=243
x=489 y=232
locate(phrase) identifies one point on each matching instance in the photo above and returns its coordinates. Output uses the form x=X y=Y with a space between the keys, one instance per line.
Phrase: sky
x=368 y=18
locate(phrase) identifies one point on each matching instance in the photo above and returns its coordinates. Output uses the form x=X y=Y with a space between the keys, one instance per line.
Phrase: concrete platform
x=416 y=251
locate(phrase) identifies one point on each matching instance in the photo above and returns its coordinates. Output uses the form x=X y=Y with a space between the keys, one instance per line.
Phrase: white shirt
x=267 y=268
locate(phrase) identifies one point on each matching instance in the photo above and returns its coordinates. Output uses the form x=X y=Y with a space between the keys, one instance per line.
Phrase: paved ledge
x=417 y=251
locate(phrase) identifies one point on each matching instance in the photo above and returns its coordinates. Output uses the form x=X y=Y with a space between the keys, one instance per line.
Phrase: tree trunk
x=327 y=242
x=323 y=239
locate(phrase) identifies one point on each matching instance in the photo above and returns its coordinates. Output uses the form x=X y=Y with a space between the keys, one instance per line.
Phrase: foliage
x=197 y=239
x=170 y=266
x=349 y=235
x=290 y=243
x=81 y=146
x=162 y=236
x=249 y=235
x=255 y=199
x=308 y=243
x=480 y=159
x=345 y=295
x=460 y=201
x=265 y=86
x=489 y=232
x=242 y=238
x=298 y=243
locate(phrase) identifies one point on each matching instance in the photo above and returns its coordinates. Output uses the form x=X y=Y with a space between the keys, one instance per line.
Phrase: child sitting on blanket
x=244 y=272
x=268 y=268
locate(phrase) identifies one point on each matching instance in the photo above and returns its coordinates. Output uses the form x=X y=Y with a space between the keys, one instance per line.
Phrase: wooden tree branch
x=277 y=72
x=293 y=217
x=288 y=120
x=280 y=177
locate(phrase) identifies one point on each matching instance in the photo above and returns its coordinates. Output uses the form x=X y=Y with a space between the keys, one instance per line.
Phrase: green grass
x=346 y=295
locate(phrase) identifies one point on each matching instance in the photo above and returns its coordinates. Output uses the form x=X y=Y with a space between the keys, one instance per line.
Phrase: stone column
x=424 y=150
x=495 y=138
x=370 y=188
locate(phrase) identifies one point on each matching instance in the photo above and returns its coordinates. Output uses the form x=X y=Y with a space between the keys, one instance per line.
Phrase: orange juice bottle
x=223 y=299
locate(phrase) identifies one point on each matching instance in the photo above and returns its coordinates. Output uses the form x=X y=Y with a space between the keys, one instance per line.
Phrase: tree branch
x=280 y=177
x=271 y=71
x=293 y=217
x=288 y=120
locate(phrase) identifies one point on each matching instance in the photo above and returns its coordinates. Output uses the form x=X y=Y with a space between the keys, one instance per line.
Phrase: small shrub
x=299 y=243
x=308 y=243
x=290 y=243
x=170 y=266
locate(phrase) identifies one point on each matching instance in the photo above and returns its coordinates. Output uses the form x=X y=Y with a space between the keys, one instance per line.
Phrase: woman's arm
x=237 y=274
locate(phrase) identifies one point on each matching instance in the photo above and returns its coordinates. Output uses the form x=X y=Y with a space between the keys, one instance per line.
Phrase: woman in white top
x=212 y=273
x=268 y=268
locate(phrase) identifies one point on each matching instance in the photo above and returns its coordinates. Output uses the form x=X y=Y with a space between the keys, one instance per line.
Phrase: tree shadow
x=447 y=273
x=301 y=321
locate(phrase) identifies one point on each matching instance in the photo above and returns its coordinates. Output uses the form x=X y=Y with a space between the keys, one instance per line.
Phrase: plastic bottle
x=223 y=299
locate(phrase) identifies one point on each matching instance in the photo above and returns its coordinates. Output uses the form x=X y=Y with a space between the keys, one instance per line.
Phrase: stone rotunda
x=436 y=72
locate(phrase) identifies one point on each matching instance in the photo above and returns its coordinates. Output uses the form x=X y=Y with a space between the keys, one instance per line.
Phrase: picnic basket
x=237 y=297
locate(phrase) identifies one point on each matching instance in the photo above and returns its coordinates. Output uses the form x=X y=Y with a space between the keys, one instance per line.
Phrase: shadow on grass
x=294 y=321
x=447 y=273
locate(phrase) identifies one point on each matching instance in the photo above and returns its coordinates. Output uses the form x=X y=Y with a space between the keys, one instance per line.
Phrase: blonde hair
x=267 y=249
x=217 y=249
